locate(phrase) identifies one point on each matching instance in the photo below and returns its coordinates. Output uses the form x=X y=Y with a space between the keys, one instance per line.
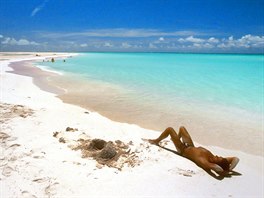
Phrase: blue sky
x=132 y=25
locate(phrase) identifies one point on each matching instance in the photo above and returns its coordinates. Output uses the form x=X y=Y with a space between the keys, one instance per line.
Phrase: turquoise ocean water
x=231 y=80
x=183 y=86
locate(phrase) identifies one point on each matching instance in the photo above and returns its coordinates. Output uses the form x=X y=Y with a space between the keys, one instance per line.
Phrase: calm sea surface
x=208 y=93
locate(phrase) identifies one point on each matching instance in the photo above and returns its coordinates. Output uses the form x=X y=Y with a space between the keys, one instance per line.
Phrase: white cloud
x=222 y=45
x=26 y=42
x=152 y=46
x=83 y=45
x=141 y=40
x=197 y=45
x=12 y=41
x=191 y=39
x=255 y=41
x=118 y=33
x=181 y=40
x=230 y=38
x=213 y=40
x=38 y=8
x=194 y=40
x=208 y=45
x=246 y=41
x=251 y=38
x=126 y=45
x=35 y=11
x=107 y=44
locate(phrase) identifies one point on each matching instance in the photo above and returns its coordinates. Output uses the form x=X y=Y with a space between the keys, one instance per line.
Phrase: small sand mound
x=100 y=150
x=112 y=154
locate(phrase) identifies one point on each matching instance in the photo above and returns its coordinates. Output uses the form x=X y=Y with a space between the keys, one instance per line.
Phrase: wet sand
x=40 y=78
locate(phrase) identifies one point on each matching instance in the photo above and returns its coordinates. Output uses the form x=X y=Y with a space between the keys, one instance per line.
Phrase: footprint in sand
x=3 y=162
x=51 y=189
x=7 y=171
x=186 y=173
x=37 y=154
x=4 y=136
x=26 y=194
x=9 y=150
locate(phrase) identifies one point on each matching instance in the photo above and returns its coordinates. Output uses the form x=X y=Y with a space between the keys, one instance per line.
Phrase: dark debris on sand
x=103 y=152
x=112 y=154
x=69 y=129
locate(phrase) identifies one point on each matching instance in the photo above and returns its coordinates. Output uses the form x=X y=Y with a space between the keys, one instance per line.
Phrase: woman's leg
x=186 y=138
x=174 y=137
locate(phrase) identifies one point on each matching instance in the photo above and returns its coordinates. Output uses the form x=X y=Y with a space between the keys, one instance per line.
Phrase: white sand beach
x=40 y=158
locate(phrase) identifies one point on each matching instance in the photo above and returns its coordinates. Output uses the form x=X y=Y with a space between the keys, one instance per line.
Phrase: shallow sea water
x=217 y=97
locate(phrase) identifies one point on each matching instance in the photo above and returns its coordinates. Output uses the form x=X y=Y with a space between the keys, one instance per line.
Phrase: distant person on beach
x=199 y=155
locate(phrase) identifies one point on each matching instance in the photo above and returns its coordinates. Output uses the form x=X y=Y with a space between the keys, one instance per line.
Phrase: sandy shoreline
x=35 y=164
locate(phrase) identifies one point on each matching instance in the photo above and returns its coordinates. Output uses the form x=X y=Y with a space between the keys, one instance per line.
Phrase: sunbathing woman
x=199 y=155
